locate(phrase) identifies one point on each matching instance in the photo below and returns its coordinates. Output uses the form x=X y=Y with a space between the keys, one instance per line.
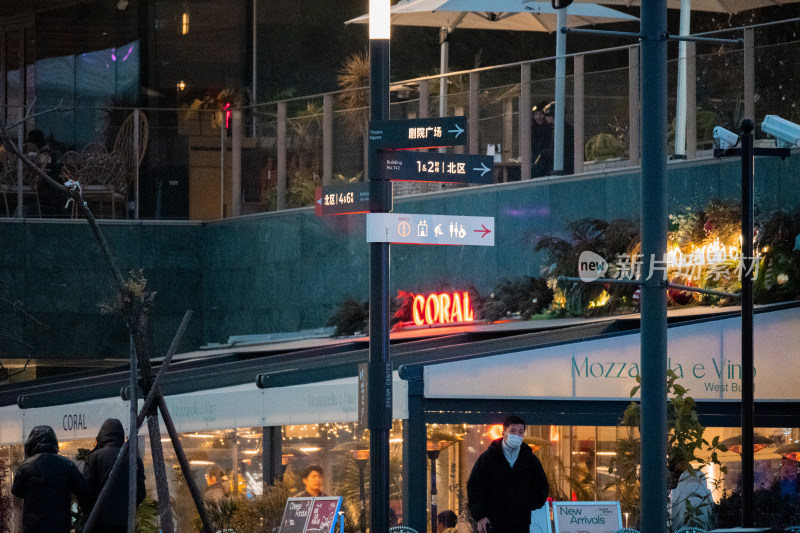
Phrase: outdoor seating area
x=17 y=188
x=105 y=176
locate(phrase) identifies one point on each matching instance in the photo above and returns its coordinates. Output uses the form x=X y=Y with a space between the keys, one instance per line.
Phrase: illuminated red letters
x=442 y=308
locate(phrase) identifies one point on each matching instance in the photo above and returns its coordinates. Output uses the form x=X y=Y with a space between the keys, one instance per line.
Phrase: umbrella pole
x=444 y=60
x=680 y=107
x=561 y=68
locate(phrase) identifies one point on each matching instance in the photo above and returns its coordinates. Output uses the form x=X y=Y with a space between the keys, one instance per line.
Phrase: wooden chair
x=124 y=151
x=99 y=183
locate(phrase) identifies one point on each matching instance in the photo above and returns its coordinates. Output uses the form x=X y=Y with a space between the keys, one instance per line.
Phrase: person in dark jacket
x=507 y=483
x=114 y=511
x=46 y=481
x=541 y=142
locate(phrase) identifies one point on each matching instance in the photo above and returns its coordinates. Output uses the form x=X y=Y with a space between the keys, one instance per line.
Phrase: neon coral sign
x=442 y=308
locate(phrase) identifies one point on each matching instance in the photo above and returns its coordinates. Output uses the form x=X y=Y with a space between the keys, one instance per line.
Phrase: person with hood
x=114 y=511
x=507 y=483
x=45 y=481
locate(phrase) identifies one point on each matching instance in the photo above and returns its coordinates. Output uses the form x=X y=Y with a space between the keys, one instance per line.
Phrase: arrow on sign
x=458 y=131
x=483 y=169
x=485 y=231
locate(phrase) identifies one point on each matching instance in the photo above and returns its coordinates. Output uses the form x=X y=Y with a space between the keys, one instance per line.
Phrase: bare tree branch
x=21 y=310
x=56 y=109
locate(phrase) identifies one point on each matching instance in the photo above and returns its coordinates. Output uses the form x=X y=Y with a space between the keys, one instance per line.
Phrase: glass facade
x=579 y=462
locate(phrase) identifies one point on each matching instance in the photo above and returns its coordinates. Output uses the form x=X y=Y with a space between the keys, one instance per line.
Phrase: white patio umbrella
x=512 y=15
x=730 y=7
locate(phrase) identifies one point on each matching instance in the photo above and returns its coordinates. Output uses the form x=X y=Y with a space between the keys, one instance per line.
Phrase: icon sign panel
x=445 y=168
x=418 y=133
x=405 y=228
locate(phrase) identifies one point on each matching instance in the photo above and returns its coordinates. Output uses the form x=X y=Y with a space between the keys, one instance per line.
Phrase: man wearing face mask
x=507 y=483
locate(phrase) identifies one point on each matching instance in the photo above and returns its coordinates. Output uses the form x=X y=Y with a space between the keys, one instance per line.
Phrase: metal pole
x=525 y=121
x=135 y=167
x=747 y=323
x=433 y=456
x=380 y=367
x=680 y=108
x=222 y=167
x=654 y=245
x=633 y=104
x=237 y=131
x=561 y=69
x=133 y=448
x=578 y=120
x=444 y=55
x=20 y=140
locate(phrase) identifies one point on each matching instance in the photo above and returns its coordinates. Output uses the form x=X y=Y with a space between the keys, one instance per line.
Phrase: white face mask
x=513 y=441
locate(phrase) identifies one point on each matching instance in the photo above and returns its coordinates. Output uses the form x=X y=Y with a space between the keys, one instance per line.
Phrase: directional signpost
x=343 y=199
x=403 y=228
x=417 y=133
x=446 y=168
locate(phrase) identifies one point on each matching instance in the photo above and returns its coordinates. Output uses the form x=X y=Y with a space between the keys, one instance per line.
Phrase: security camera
x=724 y=138
x=787 y=134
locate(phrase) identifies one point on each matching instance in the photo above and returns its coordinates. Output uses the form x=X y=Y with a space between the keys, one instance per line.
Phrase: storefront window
x=580 y=461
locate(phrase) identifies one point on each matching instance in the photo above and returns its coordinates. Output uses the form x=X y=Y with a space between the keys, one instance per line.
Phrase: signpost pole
x=747 y=323
x=654 y=245
x=380 y=367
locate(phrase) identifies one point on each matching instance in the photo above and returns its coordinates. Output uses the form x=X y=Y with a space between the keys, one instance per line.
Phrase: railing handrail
x=509 y=65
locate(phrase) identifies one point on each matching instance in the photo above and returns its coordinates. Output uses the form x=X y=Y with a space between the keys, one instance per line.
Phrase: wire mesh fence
x=205 y=161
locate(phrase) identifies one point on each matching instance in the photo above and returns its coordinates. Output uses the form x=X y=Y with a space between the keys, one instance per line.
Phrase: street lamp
x=379 y=393
x=359 y=451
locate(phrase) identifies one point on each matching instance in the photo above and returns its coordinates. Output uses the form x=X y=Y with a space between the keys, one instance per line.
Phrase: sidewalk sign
x=295 y=515
x=323 y=514
x=311 y=515
x=540 y=519
x=587 y=517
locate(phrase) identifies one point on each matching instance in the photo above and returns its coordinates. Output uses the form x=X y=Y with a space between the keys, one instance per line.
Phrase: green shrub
x=603 y=146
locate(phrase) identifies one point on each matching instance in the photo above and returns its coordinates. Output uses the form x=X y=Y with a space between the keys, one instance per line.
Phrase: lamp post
x=359 y=450
x=379 y=367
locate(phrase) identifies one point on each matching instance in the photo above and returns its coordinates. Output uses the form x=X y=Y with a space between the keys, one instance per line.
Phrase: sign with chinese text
x=323 y=514
x=342 y=199
x=405 y=228
x=417 y=133
x=587 y=517
x=444 y=168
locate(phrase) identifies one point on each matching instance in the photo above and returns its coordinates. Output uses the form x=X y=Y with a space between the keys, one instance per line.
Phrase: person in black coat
x=541 y=142
x=114 y=511
x=507 y=483
x=46 y=481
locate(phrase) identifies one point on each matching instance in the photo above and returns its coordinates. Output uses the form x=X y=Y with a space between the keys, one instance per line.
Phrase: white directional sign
x=403 y=228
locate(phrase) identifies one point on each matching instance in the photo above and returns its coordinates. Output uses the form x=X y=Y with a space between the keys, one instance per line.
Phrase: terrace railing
x=205 y=162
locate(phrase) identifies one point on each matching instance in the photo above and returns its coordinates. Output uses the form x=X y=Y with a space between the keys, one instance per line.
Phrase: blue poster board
x=540 y=519
x=587 y=517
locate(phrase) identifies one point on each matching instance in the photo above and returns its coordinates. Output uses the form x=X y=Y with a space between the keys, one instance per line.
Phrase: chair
x=124 y=150
x=9 y=182
x=99 y=182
